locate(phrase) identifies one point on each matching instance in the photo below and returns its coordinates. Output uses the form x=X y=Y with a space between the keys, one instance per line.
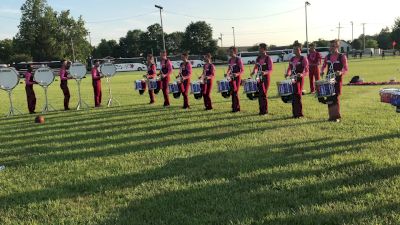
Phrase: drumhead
x=9 y=78
x=108 y=69
x=44 y=76
x=77 y=70
x=389 y=90
x=284 y=82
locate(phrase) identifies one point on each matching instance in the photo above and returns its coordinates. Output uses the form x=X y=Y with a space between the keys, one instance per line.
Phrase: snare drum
x=285 y=87
x=325 y=88
x=396 y=98
x=173 y=88
x=195 y=87
x=44 y=76
x=9 y=78
x=386 y=94
x=223 y=86
x=153 y=84
x=250 y=86
x=140 y=85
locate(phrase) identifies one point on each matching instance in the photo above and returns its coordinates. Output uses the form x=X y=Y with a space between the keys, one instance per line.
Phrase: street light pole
x=162 y=26
x=220 y=38
x=364 y=36
x=307 y=4
x=234 y=38
x=352 y=31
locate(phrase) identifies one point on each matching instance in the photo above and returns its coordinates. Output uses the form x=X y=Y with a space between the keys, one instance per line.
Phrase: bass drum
x=9 y=78
x=108 y=69
x=44 y=76
x=77 y=70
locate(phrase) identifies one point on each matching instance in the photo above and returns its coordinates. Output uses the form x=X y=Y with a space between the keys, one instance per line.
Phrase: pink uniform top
x=334 y=58
x=29 y=79
x=63 y=74
x=314 y=59
x=152 y=71
x=236 y=64
x=96 y=73
x=186 y=69
x=166 y=65
x=209 y=70
x=295 y=64
x=264 y=60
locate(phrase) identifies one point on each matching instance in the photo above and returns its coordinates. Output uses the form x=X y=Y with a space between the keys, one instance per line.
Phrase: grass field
x=143 y=164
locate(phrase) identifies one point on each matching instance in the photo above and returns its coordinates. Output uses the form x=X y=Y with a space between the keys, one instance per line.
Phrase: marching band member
x=30 y=93
x=264 y=64
x=208 y=78
x=64 y=83
x=298 y=67
x=151 y=74
x=165 y=74
x=314 y=59
x=96 y=82
x=336 y=63
x=186 y=73
x=235 y=72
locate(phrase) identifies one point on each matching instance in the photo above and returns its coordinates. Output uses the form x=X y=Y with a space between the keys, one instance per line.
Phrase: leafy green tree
x=130 y=44
x=6 y=51
x=173 y=42
x=198 y=38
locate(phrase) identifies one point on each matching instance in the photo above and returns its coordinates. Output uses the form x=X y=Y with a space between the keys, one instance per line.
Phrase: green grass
x=142 y=164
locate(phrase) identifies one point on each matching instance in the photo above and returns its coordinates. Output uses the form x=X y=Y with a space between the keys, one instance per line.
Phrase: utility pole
x=162 y=26
x=220 y=38
x=352 y=31
x=339 y=27
x=234 y=38
x=363 y=36
x=307 y=4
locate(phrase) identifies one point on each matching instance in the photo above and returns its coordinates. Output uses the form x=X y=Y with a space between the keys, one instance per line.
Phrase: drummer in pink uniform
x=208 y=78
x=314 y=60
x=165 y=75
x=299 y=66
x=30 y=93
x=235 y=72
x=186 y=74
x=96 y=82
x=265 y=64
x=151 y=74
x=64 y=83
x=336 y=63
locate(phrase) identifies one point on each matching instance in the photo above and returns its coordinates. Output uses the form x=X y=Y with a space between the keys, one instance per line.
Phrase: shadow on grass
x=252 y=184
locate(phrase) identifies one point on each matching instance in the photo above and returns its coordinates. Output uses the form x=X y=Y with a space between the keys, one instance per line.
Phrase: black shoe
x=32 y=112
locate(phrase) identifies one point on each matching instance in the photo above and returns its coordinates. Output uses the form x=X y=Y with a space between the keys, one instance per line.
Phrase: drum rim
x=17 y=81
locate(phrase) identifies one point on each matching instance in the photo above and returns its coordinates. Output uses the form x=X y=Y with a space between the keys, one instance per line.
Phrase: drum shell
x=325 y=88
x=386 y=94
x=250 y=86
x=223 y=86
x=395 y=99
x=285 y=88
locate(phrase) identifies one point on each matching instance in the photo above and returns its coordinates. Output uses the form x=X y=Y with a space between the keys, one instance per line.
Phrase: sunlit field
x=143 y=164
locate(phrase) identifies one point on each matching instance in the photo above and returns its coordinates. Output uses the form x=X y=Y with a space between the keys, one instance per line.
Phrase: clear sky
x=278 y=22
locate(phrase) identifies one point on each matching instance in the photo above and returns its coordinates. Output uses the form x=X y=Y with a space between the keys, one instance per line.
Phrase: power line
x=123 y=18
x=233 y=19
